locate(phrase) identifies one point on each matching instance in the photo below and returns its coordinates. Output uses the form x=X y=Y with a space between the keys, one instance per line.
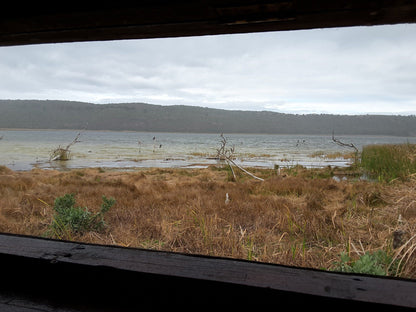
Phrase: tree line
x=51 y=114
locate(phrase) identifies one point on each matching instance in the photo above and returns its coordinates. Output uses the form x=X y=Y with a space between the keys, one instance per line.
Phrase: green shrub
x=69 y=219
x=377 y=263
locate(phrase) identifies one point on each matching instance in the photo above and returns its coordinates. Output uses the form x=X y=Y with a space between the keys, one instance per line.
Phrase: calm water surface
x=26 y=149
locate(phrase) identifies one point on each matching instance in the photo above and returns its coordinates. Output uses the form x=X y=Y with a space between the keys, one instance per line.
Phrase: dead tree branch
x=62 y=153
x=350 y=145
x=227 y=154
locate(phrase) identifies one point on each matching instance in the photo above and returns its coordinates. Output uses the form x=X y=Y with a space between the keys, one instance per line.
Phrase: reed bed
x=387 y=162
x=302 y=218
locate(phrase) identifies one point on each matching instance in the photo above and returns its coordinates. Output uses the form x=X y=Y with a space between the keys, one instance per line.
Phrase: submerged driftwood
x=62 y=153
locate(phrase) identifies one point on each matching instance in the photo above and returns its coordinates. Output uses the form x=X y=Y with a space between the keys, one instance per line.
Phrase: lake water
x=26 y=149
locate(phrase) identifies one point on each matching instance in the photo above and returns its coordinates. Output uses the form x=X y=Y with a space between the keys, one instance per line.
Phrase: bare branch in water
x=61 y=153
x=350 y=145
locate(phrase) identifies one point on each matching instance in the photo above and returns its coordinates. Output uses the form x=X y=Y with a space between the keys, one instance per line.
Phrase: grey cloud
x=315 y=70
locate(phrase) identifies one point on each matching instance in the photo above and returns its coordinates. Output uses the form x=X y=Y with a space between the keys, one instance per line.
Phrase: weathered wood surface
x=45 y=22
x=45 y=275
x=31 y=263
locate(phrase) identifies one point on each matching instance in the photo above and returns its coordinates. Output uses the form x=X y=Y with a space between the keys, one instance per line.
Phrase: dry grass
x=334 y=155
x=295 y=220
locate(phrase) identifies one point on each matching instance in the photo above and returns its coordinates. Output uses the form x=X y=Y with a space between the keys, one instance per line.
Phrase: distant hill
x=49 y=114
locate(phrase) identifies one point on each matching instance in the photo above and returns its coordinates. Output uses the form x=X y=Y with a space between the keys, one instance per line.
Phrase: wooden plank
x=36 y=22
x=357 y=288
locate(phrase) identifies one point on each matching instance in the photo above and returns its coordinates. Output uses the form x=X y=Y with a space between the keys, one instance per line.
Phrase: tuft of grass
x=389 y=161
x=404 y=261
x=333 y=155
x=4 y=169
x=69 y=219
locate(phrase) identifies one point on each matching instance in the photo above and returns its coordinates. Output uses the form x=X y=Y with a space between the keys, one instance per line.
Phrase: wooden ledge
x=104 y=275
x=45 y=22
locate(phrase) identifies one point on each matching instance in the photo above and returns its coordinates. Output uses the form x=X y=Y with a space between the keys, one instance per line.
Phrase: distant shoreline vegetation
x=51 y=114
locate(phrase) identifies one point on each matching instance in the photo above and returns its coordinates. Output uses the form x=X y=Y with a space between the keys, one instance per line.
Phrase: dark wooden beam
x=46 y=275
x=68 y=274
x=43 y=22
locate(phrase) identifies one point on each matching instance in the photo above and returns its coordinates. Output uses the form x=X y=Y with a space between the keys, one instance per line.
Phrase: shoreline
x=170 y=163
x=210 y=133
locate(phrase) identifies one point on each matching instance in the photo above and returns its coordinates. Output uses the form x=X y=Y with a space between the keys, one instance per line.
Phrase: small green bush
x=69 y=219
x=377 y=263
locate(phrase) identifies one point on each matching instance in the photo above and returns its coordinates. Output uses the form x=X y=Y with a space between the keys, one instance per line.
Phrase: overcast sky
x=342 y=71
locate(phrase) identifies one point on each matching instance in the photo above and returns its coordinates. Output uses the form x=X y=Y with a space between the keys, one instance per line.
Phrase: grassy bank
x=298 y=217
x=388 y=162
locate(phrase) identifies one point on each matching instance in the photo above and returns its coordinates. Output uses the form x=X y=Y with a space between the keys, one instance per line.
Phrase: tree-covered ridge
x=51 y=114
